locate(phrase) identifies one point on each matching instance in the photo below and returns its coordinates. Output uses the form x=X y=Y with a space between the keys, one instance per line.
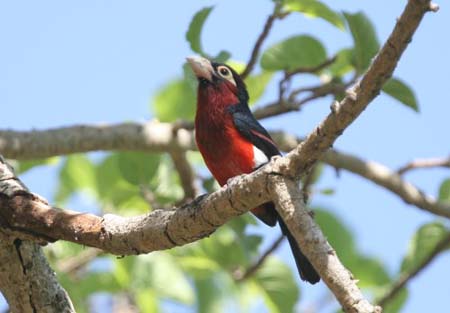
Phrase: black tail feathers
x=305 y=268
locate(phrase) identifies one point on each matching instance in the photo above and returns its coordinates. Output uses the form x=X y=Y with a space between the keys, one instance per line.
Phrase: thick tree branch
x=152 y=137
x=289 y=203
x=404 y=278
x=26 y=280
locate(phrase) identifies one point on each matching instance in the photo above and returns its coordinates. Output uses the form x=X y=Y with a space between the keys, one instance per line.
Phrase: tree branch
x=26 y=280
x=375 y=172
x=424 y=163
x=265 y=32
x=241 y=276
x=383 y=176
x=152 y=137
x=406 y=277
x=186 y=174
x=289 y=203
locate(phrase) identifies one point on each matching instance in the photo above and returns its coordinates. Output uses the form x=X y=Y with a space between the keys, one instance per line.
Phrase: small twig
x=241 y=276
x=257 y=47
x=311 y=69
x=289 y=105
x=186 y=174
x=406 y=277
x=424 y=163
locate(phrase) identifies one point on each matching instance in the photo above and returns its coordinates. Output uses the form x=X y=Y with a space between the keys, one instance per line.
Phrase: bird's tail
x=304 y=267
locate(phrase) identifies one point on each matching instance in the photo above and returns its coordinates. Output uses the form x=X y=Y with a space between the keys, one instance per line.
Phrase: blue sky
x=65 y=63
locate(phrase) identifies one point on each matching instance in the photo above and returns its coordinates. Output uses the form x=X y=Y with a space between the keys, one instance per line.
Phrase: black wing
x=251 y=129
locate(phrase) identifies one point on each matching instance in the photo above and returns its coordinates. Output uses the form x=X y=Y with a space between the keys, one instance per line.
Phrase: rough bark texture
x=26 y=280
x=289 y=203
x=374 y=172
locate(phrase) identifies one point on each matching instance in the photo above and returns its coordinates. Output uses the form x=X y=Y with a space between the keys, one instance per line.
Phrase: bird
x=232 y=142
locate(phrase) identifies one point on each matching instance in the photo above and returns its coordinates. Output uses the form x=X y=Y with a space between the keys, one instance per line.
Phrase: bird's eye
x=224 y=72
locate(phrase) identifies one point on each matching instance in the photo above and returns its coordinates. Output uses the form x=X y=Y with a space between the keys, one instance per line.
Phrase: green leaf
x=338 y=234
x=77 y=173
x=111 y=186
x=176 y=100
x=163 y=272
x=369 y=271
x=402 y=92
x=343 y=63
x=276 y=281
x=396 y=304
x=147 y=301
x=294 y=53
x=166 y=183
x=138 y=167
x=209 y=298
x=256 y=85
x=313 y=8
x=327 y=191
x=195 y=29
x=444 y=191
x=222 y=56
x=365 y=39
x=225 y=239
x=29 y=164
x=422 y=244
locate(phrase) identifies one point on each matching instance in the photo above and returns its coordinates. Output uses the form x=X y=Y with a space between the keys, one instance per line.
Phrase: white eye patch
x=225 y=73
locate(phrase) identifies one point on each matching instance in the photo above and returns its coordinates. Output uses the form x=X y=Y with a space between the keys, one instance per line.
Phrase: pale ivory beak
x=202 y=67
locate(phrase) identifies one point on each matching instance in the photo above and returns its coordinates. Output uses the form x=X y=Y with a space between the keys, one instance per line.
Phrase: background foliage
x=205 y=276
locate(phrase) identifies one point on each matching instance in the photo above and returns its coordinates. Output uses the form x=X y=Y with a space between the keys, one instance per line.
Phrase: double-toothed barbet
x=232 y=142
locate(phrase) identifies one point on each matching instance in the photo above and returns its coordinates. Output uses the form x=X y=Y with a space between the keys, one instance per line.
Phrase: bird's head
x=219 y=85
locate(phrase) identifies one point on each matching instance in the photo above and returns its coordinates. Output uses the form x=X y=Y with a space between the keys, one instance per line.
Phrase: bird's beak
x=202 y=67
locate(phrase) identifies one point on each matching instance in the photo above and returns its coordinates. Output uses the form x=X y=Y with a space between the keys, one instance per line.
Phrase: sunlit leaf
x=222 y=57
x=337 y=233
x=276 y=281
x=26 y=165
x=444 y=191
x=224 y=239
x=165 y=276
x=193 y=35
x=256 y=85
x=166 y=183
x=138 y=167
x=199 y=266
x=314 y=8
x=174 y=101
x=395 y=304
x=147 y=301
x=369 y=271
x=422 y=244
x=112 y=187
x=77 y=173
x=295 y=52
x=365 y=39
x=402 y=92
x=209 y=298
x=343 y=63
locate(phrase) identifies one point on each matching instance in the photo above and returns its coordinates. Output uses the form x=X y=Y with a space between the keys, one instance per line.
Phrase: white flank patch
x=259 y=158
